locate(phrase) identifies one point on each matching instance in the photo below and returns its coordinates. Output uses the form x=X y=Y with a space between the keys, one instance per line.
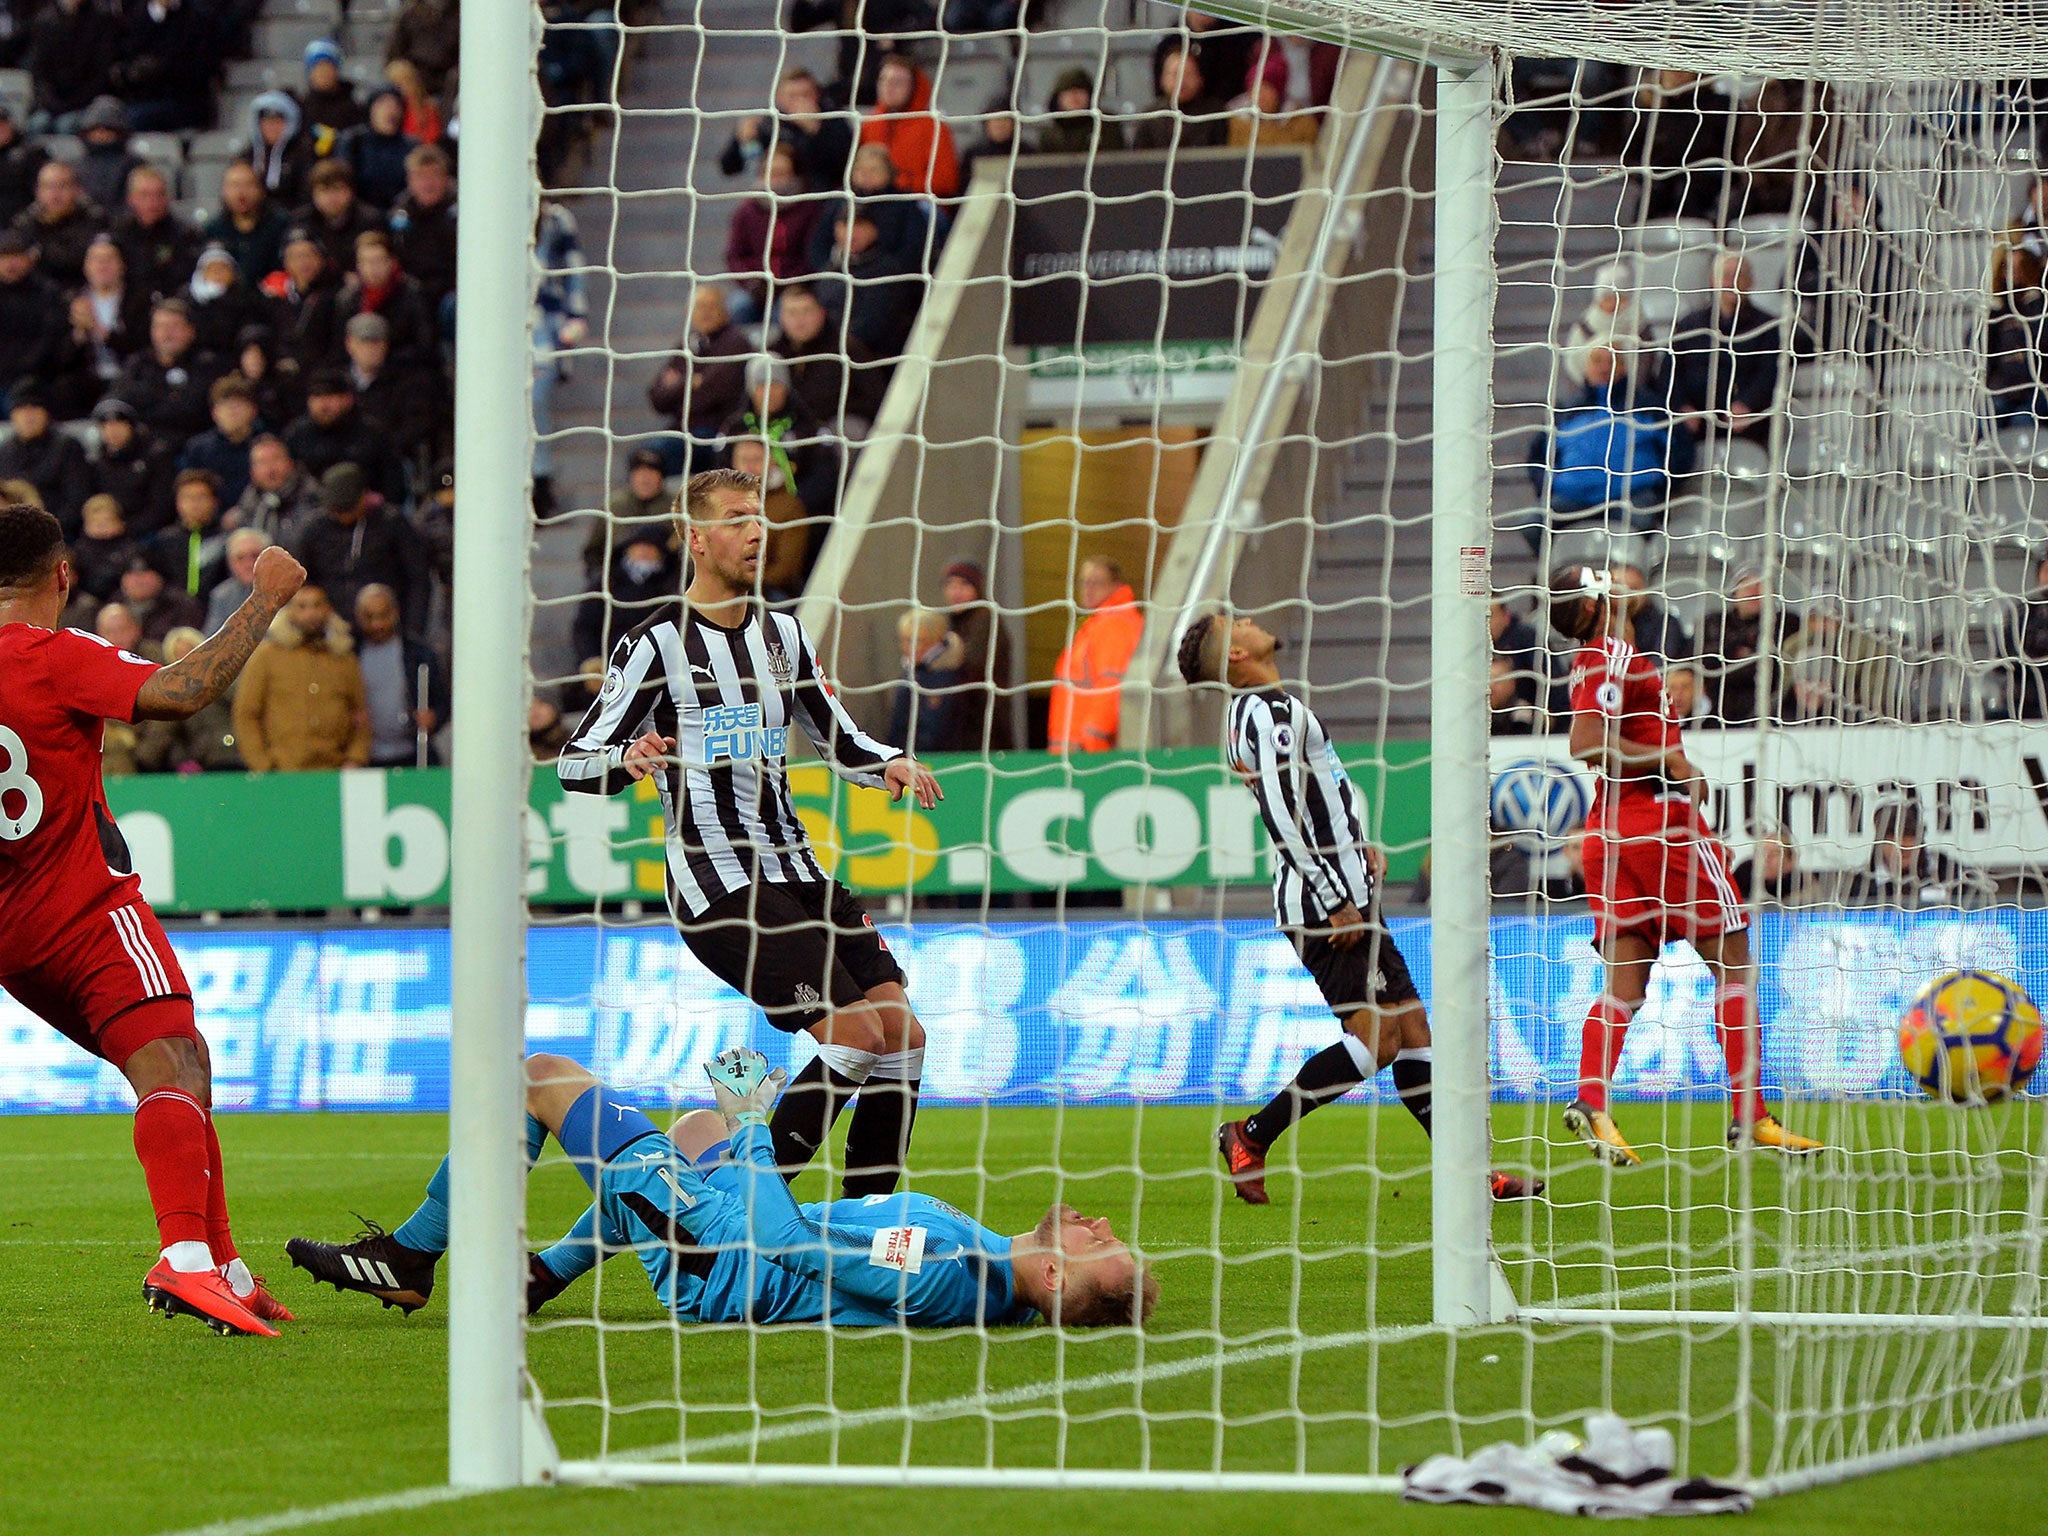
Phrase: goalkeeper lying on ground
x=723 y=1241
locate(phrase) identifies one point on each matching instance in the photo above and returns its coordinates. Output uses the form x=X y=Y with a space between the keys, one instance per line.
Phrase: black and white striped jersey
x=728 y=697
x=1310 y=806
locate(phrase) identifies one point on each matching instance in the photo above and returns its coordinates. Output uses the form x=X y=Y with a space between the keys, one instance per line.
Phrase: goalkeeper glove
x=744 y=1087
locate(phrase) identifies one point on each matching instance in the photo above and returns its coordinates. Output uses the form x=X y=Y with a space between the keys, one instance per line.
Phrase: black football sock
x=878 y=1141
x=804 y=1118
x=1329 y=1074
x=1411 y=1081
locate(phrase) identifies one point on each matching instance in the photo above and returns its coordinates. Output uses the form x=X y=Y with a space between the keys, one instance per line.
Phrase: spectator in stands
x=642 y=506
x=1724 y=359
x=644 y=572
x=1228 y=50
x=157 y=246
x=1679 y=142
x=1518 y=667
x=2026 y=647
x=422 y=120
x=31 y=319
x=1073 y=125
x=60 y=224
x=167 y=381
x=109 y=323
x=1845 y=275
x=918 y=140
x=1611 y=319
x=770 y=236
x=49 y=460
x=1604 y=453
x=333 y=214
x=243 y=545
x=280 y=497
x=201 y=743
x=1906 y=875
x=282 y=156
x=1185 y=114
x=303 y=307
x=375 y=149
x=927 y=694
x=409 y=405
x=353 y=544
x=702 y=383
x=328 y=103
x=822 y=140
x=997 y=142
x=423 y=225
x=1783 y=144
x=796 y=440
x=71 y=51
x=1838 y=672
x=21 y=162
x=402 y=716
x=791 y=536
x=333 y=433
x=428 y=35
x=156 y=608
x=981 y=722
x=866 y=37
x=870 y=292
x=131 y=465
x=1261 y=120
x=1731 y=647
x=903 y=222
x=103 y=550
x=1087 y=692
x=835 y=375
x=1658 y=633
x=380 y=286
x=2016 y=339
x=193 y=552
x=1513 y=714
x=275 y=380
x=1771 y=876
x=223 y=449
x=115 y=623
x=1683 y=692
x=434 y=521
x=223 y=302
x=300 y=703
x=247 y=224
x=103 y=170
x=165 y=66
x=561 y=324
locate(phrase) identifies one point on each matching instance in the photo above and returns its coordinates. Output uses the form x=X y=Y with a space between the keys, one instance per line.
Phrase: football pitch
x=1265 y=1354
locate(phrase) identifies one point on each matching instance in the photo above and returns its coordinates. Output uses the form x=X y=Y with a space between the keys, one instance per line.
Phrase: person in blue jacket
x=1606 y=451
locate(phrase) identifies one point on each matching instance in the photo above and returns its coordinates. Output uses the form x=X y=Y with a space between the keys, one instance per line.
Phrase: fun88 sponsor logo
x=735 y=731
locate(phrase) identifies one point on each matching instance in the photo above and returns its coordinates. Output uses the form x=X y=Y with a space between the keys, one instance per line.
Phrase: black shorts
x=1371 y=973
x=795 y=949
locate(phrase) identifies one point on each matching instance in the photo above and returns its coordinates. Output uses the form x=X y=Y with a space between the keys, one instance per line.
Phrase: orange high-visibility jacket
x=1087 y=691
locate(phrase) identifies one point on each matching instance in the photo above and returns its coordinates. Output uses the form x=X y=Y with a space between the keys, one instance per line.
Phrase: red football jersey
x=61 y=856
x=1618 y=683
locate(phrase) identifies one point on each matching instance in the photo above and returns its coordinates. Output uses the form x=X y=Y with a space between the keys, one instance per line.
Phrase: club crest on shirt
x=806 y=995
x=779 y=667
x=614 y=685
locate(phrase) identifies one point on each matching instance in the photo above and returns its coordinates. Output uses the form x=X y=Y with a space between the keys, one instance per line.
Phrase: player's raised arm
x=180 y=690
x=609 y=751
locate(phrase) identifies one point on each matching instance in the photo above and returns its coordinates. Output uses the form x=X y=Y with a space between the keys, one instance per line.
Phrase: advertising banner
x=1025 y=1013
x=1027 y=821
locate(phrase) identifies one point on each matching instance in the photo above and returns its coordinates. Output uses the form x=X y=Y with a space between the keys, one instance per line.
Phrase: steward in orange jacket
x=1088 y=688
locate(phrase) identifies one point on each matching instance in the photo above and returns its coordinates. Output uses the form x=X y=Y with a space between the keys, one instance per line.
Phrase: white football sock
x=237 y=1275
x=189 y=1258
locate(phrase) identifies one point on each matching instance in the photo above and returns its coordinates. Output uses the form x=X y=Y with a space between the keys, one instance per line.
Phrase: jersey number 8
x=15 y=780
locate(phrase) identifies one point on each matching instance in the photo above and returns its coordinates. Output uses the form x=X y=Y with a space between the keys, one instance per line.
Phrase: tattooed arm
x=181 y=690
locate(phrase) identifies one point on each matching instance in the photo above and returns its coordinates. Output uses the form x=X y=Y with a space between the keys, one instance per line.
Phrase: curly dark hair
x=31 y=544
x=1193 y=642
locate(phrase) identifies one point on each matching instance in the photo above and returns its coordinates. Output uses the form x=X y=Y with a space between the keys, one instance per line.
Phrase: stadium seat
x=265 y=75
x=18 y=91
x=966 y=85
x=284 y=38
x=326 y=12
x=163 y=150
x=64 y=146
x=1766 y=241
x=362 y=41
x=1674 y=270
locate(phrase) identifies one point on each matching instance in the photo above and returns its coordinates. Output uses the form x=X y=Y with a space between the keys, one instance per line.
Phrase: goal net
x=1357 y=321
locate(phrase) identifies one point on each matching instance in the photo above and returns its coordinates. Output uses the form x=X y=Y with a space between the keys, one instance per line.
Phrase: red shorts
x=1664 y=877
x=112 y=984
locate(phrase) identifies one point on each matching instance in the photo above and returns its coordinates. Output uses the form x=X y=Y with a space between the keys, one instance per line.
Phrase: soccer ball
x=1971 y=1037
x=1537 y=803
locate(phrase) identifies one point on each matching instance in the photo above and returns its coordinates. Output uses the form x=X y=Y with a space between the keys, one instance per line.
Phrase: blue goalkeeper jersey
x=724 y=1241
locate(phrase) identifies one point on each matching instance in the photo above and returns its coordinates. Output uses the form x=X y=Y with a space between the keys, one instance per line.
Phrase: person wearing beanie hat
x=334 y=431
x=1072 y=126
x=328 y=101
x=31 y=312
x=982 y=721
x=359 y=541
x=129 y=464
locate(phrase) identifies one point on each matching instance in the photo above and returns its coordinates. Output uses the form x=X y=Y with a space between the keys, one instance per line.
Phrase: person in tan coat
x=300 y=704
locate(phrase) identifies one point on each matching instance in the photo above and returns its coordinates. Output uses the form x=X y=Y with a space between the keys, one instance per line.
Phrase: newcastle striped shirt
x=1310 y=806
x=728 y=697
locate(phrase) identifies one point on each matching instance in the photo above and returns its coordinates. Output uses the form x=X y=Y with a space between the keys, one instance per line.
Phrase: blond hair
x=696 y=501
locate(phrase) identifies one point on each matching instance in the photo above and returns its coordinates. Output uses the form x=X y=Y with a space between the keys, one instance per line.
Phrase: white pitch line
x=328 y=1514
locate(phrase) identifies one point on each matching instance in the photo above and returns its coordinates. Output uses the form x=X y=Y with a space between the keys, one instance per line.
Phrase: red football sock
x=218 y=1238
x=170 y=1142
x=1735 y=1023
x=1600 y=1047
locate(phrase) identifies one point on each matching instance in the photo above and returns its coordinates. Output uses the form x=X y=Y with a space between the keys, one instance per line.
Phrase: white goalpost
x=1088 y=937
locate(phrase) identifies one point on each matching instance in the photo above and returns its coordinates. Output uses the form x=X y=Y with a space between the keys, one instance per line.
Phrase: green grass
x=125 y=1423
